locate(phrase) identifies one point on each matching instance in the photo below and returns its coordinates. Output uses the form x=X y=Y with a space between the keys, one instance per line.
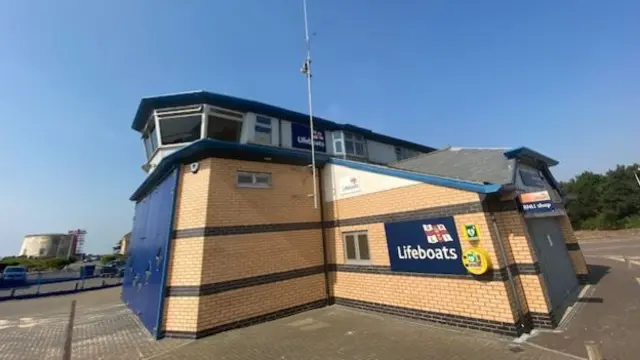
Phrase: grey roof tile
x=480 y=165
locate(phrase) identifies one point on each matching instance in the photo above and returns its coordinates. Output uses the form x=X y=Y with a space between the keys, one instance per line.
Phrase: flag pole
x=306 y=70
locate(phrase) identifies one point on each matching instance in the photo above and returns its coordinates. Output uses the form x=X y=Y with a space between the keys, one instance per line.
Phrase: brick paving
x=106 y=330
x=338 y=333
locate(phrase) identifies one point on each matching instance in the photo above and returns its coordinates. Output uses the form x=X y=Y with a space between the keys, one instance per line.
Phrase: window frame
x=263 y=126
x=354 y=139
x=358 y=260
x=254 y=175
x=217 y=112
x=177 y=117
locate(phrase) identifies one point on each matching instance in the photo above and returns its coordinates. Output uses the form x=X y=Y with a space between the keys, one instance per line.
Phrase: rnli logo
x=438 y=237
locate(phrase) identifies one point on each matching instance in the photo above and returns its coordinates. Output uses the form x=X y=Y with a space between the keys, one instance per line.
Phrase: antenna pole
x=306 y=70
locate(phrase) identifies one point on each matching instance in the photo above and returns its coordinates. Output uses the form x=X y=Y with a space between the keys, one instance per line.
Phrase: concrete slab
x=609 y=315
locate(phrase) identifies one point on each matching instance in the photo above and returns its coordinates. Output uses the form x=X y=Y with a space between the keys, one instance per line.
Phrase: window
x=338 y=147
x=253 y=179
x=224 y=129
x=42 y=251
x=263 y=130
x=356 y=247
x=354 y=144
x=150 y=138
x=181 y=129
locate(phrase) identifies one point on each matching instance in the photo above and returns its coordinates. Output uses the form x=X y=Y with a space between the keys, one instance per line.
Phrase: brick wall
x=457 y=300
x=242 y=253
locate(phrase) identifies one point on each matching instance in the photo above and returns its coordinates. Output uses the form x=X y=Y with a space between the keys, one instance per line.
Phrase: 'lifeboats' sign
x=300 y=138
x=430 y=246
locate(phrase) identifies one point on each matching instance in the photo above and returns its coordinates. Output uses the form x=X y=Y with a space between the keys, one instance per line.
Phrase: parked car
x=112 y=270
x=14 y=275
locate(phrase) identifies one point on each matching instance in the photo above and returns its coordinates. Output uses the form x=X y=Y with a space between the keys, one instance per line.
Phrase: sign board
x=471 y=232
x=536 y=202
x=429 y=246
x=349 y=185
x=300 y=138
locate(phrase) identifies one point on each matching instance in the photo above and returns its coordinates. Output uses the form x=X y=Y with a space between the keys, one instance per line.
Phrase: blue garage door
x=147 y=261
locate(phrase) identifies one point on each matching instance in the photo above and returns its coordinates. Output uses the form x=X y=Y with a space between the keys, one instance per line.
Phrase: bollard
x=594 y=350
x=104 y=282
x=13 y=292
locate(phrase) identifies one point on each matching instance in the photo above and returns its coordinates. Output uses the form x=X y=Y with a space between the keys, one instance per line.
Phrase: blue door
x=147 y=261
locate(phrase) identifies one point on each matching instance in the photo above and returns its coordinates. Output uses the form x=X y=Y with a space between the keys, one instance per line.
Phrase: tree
x=609 y=201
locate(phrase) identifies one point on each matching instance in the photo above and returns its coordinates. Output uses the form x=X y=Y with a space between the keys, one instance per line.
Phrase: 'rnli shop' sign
x=536 y=202
x=429 y=246
x=300 y=138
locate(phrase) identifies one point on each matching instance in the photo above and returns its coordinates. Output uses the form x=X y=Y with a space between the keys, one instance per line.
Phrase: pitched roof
x=479 y=165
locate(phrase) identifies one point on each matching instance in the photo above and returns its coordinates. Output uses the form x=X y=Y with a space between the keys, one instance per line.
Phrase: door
x=143 y=284
x=554 y=260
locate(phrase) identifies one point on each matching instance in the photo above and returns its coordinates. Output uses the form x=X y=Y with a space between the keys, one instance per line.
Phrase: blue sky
x=558 y=76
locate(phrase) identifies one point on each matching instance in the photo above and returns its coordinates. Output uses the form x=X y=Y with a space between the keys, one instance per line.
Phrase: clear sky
x=562 y=77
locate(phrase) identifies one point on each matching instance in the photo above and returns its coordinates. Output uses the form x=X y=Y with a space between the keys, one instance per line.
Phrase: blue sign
x=300 y=138
x=538 y=207
x=536 y=202
x=429 y=246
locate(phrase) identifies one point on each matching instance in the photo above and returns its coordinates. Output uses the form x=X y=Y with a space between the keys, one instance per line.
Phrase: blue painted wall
x=145 y=275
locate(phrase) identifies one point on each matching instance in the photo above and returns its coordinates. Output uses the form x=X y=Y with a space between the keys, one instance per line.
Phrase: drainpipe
x=324 y=240
x=510 y=277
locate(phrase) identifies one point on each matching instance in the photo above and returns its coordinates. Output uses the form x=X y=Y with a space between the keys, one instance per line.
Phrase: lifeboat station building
x=228 y=233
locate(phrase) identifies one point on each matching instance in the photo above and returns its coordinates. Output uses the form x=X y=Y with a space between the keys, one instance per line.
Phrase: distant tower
x=77 y=243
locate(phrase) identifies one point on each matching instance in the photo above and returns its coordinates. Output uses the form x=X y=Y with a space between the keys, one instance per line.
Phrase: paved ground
x=610 y=312
x=61 y=286
x=34 y=329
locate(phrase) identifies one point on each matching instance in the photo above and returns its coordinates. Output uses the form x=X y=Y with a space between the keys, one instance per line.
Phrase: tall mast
x=306 y=70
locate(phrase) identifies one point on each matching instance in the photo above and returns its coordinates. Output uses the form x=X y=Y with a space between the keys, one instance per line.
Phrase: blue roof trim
x=147 y=105
x=424 y=178
x=210 y=147
x=525 y=152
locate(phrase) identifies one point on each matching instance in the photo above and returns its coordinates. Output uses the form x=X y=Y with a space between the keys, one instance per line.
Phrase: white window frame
x=176 y=113
x=263 y=126
x=355 y=139
x=224 y=114
x=254 y=175
x=147 y=134
x=358 y=260
x=338 y=138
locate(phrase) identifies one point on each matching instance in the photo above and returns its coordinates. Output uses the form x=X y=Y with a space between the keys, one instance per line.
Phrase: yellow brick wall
x=210 y=198
x=442 y=295
x=577 y=258
x=239 y=256
x=240 y=304
x=401 y=199
x=513 y=232
x=287 y=201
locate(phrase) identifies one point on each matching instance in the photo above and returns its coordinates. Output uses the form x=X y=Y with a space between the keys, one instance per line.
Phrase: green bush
x=111 y=257
x=38 y=264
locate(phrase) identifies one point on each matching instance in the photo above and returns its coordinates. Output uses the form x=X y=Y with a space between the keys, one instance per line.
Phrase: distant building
x=48 y=245
x=122 y=244
x=78 y=241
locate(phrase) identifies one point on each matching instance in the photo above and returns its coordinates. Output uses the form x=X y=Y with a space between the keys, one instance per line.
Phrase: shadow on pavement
x=597 y=272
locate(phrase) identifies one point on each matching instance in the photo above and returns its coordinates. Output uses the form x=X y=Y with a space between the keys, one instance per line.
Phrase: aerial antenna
x=306 y=70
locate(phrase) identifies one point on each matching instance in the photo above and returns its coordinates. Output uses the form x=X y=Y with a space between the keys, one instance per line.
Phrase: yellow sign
x=471 y=232
x=476 y=261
